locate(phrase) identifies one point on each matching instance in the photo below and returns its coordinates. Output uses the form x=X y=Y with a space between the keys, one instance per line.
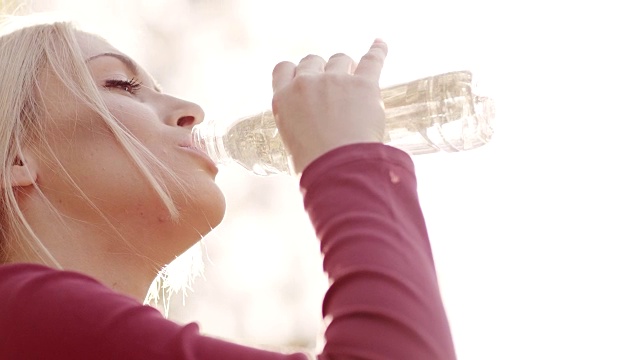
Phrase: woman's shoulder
x=60 y=310
x=26 y=284
x=50 y=313
x=14 y=277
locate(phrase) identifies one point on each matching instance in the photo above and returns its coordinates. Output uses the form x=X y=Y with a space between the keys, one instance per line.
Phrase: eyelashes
x=132 y=86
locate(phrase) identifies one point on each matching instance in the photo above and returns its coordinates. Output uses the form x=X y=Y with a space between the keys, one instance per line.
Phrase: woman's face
x=98 y=164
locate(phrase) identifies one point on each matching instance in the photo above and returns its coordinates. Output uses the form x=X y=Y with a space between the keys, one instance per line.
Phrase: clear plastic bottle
x=423 y=116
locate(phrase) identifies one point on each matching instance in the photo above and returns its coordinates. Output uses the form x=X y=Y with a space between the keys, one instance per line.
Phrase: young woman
x=98 y=176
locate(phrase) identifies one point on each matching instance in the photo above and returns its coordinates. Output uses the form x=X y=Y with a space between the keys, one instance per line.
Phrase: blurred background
x=535 y=235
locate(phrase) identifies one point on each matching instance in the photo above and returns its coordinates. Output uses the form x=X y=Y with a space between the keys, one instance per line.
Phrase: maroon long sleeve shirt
x=383 y=302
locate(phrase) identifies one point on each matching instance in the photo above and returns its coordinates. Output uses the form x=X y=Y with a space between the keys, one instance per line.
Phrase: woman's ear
x=24 y=172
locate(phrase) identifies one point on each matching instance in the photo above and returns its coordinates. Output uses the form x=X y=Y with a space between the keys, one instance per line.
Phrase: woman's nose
x=185 y=113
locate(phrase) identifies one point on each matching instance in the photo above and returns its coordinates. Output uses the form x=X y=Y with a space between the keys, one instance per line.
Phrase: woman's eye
x=131 y=85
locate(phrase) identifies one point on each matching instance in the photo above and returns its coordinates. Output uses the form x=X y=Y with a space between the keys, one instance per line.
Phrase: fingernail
x=380 y=44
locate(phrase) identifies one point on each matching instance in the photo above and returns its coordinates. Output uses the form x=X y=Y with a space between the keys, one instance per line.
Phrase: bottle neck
x=208 y=137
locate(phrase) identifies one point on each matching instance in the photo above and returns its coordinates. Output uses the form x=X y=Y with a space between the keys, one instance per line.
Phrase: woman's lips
x=211 y=165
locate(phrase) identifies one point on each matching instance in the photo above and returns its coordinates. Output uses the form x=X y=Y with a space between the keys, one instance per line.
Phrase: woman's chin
x=205 y=212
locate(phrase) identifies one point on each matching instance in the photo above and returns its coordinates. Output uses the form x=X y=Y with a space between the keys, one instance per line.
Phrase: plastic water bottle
x=439 y=113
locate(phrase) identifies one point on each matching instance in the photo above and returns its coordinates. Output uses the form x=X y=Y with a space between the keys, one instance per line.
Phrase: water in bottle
x=438 y=113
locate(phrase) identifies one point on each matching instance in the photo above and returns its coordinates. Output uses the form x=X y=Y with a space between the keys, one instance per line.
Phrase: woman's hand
x=319 y=106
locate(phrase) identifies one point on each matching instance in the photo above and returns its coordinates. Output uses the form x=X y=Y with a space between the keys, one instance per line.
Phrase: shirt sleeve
x=384 y=301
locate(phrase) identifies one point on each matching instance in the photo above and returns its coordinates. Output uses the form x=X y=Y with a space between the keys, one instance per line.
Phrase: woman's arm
x=384 y=301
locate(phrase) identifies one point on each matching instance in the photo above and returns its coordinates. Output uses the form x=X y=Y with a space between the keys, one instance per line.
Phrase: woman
x=98 y=176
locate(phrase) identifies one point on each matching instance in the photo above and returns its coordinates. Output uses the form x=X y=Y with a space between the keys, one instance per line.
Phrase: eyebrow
x=131 y=66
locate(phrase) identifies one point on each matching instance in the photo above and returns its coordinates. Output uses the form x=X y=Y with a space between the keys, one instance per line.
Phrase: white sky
x=535 y=235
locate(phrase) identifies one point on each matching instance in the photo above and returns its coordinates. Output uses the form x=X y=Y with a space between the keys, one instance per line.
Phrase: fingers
x=340 y=63
x=370 y=65
x=310 y=64
x=282 y=74
x=285 y=71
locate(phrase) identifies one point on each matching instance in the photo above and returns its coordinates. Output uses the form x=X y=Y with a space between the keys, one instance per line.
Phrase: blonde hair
x=25 y=51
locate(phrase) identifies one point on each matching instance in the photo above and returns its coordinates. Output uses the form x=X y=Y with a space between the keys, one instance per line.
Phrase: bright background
x=535 y=235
